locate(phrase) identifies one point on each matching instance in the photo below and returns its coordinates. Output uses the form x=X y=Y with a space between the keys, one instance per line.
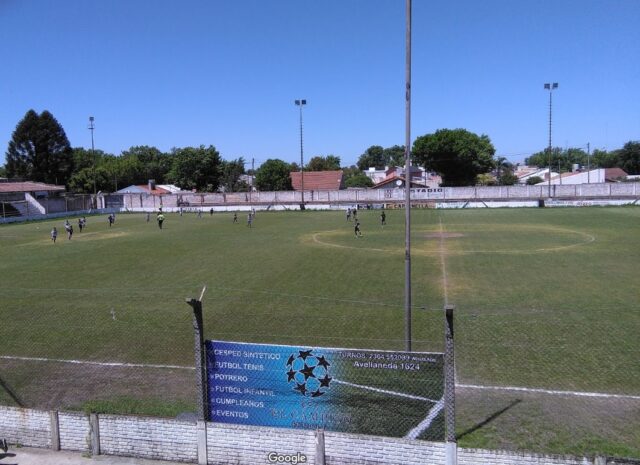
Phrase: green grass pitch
x=545 y=298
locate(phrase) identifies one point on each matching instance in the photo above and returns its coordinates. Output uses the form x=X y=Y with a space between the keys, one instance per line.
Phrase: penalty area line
x=426 y=423
x=548 y=391
x=89 y=362
x=384 y=391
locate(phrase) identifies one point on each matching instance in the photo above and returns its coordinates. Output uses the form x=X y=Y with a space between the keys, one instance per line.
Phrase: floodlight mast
x=550 y=87
x=301 y=103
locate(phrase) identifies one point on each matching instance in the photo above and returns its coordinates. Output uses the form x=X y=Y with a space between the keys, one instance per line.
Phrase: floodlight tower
x=301 y=103
x=550 y=87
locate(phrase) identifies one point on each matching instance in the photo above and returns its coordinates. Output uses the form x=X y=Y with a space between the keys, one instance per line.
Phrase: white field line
x=549 y=391
x=383 y=391
x=424 y=424
x=89 y=362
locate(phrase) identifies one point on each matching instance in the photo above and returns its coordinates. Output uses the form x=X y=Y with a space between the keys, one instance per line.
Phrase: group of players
x=82 y=222
x=356 y=225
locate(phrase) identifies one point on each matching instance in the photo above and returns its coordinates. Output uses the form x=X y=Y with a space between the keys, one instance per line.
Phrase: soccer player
x=54 y=234
x=69 y=232
x=235 y=217
x=111 y=218
x=211 y=211
x=249 y=219
x=148 y=216
x=356 y=229
x=348 y=214
x=80 y=225
x=160 y=219
x=383 y=218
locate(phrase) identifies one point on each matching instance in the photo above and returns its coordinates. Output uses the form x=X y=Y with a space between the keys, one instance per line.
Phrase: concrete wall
x=180 y=441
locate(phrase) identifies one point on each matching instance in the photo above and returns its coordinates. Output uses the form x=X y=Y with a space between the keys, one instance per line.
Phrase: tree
x=273 y=175
x=230 y=176
x=534 y=180
x=319 y=163
x=455 y=154
x=39 y=150
x=358 y=180
x=3 y=172
x=195 y=168
x=394 y=155
x=629 y=157
x=373 y=157
x=507 y=178
x=151 y=163
x=604 y=159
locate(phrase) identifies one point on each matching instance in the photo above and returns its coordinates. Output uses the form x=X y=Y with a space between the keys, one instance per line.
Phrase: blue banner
x=384 y=393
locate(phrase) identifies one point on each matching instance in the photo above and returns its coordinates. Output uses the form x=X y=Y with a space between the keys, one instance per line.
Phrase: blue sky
x=227 y=72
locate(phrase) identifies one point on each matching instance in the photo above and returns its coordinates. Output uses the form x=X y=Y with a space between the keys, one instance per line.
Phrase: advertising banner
x=398 y=394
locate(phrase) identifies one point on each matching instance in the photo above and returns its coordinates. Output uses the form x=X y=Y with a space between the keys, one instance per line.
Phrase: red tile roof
x=390 y=182
x=29 y=186
x=317 y=180
x=613 y=174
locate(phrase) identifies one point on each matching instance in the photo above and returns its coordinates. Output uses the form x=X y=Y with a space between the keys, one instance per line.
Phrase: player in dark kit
x=356 y=229
x=235 y=217
x=383 y=218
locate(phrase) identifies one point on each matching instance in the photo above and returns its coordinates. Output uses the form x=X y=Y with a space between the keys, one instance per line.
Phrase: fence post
x=55 y=430
x=449 y=389
x=320 y=457
x=202 y=442
x=94 y=432
x=201 y=371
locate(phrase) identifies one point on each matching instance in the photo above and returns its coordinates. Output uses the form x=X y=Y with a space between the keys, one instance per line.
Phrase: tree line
x=40 y=151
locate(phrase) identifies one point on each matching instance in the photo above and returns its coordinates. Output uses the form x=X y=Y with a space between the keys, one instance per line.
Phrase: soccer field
x=545 y=299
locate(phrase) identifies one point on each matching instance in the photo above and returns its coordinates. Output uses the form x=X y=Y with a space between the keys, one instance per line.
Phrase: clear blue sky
x=226 y=72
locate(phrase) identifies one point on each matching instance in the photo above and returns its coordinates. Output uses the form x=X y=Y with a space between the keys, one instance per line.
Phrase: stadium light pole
x=550 y=86
x=301 y=103
x=407 y=184
x=93 y=153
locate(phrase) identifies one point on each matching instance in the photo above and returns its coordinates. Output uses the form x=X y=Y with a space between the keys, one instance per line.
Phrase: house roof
x=142 y=189
x=613 y=174
x=29 y=186
x=317 y=180
x=390 y=182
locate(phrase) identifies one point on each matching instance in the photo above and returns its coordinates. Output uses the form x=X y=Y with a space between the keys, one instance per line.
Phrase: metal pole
x=301 y=156
x=407 y=183
x=449 y=388
x=201 y=372
x=93 y=153
x=550 y=100
x=588 y=163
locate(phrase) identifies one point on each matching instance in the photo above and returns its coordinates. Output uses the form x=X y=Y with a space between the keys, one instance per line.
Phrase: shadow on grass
x=488 y=420
x=11 y=394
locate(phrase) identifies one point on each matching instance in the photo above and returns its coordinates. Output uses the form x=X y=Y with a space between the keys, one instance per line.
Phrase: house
x=599 y=175
x=27 y=198
x=36 y=189
x=395 y=177
x=524 y=173
x=150 y=188
x=394 y=182
x=317 y=180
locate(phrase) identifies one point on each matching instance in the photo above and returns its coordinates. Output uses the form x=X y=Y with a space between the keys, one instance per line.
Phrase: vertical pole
x=320 y=451
x=301 y=156
x=94 y=432
x=55 y=430
x=588 y=163
x=201 y=372
x=407 y=182
x=449 y=388
x=550 y=100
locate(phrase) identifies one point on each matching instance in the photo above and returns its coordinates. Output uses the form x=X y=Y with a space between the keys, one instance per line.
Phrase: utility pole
x=588 y=163
x=93 y=153
x=407 y=184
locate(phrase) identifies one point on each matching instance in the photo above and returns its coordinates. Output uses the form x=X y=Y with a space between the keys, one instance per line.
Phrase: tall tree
x=39 y=150
x=629 y=157
x=273 y=175
x=319 y=163
x=151 y=163
x=195 y=168
x=230 y=176
x=455 y=154
x=373 y=157
x=394 y=155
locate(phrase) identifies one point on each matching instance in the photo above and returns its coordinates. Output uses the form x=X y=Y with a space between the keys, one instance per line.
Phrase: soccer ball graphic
x=308 y=374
